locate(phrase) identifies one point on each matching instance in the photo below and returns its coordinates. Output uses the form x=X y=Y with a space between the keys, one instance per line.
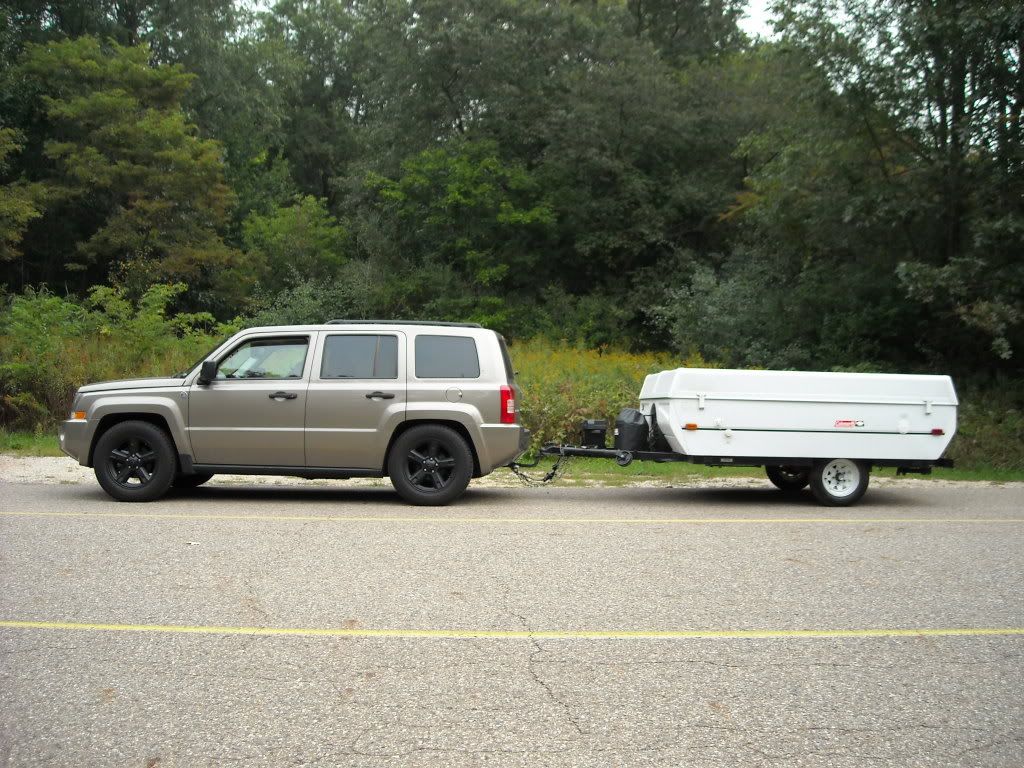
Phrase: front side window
x=361 y=356
x=446 y=357
x=277 y=358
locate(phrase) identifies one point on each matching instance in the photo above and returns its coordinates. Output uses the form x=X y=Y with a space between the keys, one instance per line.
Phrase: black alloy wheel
x=132 y=463
x=430 y=465
x=135 y=461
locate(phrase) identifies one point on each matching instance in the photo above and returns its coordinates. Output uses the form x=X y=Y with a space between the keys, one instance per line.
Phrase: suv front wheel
x=135 y=461
x=430 y=465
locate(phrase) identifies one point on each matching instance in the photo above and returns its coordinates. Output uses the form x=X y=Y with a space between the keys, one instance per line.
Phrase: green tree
x=20 y=202
x=133 y=193
x=295 y=243
x=468 y=232
x=934 y=88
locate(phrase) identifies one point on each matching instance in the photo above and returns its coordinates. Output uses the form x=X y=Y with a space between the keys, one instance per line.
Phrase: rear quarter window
x=447 y=357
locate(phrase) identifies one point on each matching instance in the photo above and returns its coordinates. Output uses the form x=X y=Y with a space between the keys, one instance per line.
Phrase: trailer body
x=796 y=417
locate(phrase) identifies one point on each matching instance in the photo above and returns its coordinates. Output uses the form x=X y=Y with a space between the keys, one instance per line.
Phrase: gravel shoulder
x=64 y=471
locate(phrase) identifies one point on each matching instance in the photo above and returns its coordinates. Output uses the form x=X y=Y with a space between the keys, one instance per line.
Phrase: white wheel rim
x=840 y=477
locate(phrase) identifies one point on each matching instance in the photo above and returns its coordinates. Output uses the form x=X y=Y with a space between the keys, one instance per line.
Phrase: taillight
x=508 y=405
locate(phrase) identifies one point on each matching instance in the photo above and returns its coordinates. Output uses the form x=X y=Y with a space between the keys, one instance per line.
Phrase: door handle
x=380 y=396
x=283 y=396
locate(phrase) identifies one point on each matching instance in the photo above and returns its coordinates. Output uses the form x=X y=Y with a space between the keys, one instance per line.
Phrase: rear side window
x=360 y=357
x=446 y=357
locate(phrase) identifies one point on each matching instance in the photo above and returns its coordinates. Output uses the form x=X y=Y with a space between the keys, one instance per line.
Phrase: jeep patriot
x=429 y=405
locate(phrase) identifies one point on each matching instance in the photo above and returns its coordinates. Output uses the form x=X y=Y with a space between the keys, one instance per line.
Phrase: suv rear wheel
x=135 y=461
x=430 y=465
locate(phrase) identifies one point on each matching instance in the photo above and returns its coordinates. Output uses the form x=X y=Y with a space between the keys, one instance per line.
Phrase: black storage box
x=595 y=433
x=631 y=433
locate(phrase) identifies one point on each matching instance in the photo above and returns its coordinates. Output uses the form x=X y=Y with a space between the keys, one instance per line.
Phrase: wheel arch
x=112 y=419
x=405 y=426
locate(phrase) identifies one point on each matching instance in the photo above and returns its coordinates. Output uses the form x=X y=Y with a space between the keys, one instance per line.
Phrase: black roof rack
x=403 y=322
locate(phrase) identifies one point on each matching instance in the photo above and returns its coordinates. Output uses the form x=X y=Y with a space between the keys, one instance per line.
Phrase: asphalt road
x=333 y=626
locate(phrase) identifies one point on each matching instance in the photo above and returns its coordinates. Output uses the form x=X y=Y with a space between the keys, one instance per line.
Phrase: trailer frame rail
x=624 y=458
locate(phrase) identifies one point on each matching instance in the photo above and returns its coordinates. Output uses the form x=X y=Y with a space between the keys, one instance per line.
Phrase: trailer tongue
x=820 y=429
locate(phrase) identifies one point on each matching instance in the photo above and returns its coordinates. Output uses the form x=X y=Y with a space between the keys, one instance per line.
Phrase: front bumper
x=73 y=436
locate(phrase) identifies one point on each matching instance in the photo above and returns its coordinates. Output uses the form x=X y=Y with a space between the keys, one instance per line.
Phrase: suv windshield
x=187 y=371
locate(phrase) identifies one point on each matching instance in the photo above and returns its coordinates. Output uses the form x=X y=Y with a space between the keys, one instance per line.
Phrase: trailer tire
x=788 y=479
x=839 y=482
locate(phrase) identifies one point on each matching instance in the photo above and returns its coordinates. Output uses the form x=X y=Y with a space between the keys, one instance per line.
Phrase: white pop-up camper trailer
x=822 y=429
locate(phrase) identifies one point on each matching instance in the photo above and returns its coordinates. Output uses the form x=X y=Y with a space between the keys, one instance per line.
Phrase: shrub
x=563 y=385
x=50 y=345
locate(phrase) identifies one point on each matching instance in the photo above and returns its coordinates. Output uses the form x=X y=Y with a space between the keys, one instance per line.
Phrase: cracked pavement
x=113 y=698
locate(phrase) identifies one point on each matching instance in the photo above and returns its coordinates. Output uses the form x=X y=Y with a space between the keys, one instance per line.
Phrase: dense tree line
x=633 y=172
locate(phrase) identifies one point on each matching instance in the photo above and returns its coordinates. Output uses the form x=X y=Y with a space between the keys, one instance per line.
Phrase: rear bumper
x=73 y=437
x=501 y=444
x=524 y=442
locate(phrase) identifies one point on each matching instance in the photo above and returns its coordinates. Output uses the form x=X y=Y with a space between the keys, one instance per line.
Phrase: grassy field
x=29 y=443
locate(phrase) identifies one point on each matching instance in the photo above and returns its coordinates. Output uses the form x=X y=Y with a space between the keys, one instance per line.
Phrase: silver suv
x=428 y=404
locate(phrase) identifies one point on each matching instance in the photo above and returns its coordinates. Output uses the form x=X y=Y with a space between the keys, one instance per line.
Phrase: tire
x=430 y=465
x=788 y=479
x=135 y=461
x=839 y=482
x=188 y=482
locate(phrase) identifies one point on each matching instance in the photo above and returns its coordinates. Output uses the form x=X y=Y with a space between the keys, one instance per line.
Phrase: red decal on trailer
x=848 y=423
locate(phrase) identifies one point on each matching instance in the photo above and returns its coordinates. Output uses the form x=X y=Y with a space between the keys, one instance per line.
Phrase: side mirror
x=208 y=372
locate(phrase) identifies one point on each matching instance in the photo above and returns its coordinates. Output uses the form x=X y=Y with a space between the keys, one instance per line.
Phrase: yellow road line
x=531 y=520
x=498 y=634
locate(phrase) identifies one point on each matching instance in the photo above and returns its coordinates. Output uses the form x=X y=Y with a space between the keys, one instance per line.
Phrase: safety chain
x=556 y=471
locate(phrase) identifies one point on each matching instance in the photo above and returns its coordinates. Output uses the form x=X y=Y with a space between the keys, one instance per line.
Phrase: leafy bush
x=563 y=385
x=990 y=428
x=49 y=346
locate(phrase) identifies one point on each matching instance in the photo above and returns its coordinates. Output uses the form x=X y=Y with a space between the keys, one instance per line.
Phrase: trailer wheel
x=788 y=479
x=839 y=482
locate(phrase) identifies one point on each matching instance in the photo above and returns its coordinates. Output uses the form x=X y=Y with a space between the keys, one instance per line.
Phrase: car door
x=253 y=412
x=356 y=398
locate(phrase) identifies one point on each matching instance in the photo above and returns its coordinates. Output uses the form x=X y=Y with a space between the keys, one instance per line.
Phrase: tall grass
x=563 y=385
x=49 y=346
